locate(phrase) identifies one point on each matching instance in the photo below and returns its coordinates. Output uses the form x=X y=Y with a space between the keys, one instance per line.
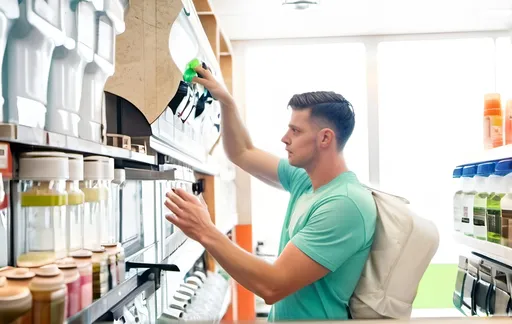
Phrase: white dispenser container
x=29 y=52
x=9 y=10
x=68 y=67
x=109 y=23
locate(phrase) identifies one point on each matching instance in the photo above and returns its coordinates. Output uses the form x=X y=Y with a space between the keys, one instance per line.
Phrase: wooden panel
x=145 y=73
x=202 y=6
x=226 y=67
x=209 y=198
x=211 y=29
x=225 y=45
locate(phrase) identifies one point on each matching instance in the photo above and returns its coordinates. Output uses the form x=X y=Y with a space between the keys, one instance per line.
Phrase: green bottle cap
x=190 y=73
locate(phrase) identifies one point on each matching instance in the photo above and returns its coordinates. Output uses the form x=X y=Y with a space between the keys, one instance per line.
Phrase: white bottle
x=482 y=189
x=457 y=199
x=68 y=65
x=468 y=199
x=9 y=11
x=29 y=53
x=505 y=224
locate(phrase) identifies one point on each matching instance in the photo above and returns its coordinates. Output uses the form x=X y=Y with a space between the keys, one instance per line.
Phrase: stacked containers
x=68 y=65
x=44 y=198
x=484 y=170
x=76 y=197
x=9 y=11
x=457 y=199
x=48 y=295
x=29 y=53
x=15 y=303
x=468 y=199
x=83 y=260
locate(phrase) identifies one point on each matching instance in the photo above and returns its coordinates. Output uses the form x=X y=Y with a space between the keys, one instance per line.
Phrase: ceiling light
x=300 y=4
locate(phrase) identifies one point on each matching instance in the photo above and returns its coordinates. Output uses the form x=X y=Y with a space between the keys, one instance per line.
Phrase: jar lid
x=66 y=263
x=81 y=254
x=35 y=259
x=96 y=168
x=11 y=296
x=119 y=176
x=47 y=278
x=20 y=273
x=43 y=166
x=76 y=167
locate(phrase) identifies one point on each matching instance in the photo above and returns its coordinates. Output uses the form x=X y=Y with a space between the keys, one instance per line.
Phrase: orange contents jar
x=493 y=121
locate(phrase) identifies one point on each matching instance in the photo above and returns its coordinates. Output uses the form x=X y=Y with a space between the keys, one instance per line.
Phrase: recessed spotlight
x=300 y=4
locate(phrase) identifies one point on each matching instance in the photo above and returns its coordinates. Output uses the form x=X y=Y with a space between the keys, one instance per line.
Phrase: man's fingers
x=204 y=73
x=185 y=195
x=173 y=208
x=175 y=198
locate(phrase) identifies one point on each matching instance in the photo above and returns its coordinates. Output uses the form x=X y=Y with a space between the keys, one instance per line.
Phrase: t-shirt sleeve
x=333 y=233
x=290 y=176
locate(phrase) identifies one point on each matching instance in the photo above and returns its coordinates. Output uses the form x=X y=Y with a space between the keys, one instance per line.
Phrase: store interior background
x=416 y=73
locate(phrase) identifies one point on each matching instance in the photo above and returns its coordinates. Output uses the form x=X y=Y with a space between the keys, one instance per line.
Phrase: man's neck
x=325 y=169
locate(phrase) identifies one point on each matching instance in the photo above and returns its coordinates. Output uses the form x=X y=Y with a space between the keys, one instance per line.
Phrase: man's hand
x=216 y=89
x=189 y=214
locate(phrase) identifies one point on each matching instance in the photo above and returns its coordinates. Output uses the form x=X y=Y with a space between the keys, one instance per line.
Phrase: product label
x=467 y=214
x=457 y=217
x=479 y=222
x=494 y=225
x=506 y=228
x=4 y=159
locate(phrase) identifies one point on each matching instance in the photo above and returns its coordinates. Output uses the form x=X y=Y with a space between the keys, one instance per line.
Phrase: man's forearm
x=248 y=270
x=235 y=136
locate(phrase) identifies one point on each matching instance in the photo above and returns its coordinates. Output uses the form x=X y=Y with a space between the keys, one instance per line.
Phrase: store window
x=273 y=74
x=430 y=118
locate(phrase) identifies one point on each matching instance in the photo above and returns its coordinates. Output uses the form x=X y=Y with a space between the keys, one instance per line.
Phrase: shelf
x=494 y=251
x=498 y=153
x=37 y=137
x=94 y=311
x=195 y=164
x=186 y=255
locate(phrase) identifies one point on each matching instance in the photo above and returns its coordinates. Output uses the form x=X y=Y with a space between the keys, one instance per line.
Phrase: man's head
x=321 y=123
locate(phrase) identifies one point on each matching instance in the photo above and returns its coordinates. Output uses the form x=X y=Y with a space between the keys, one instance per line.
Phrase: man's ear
x=326 y=137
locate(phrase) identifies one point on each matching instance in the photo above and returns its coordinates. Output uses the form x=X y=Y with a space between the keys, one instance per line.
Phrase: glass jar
x=83 y=260
x=72 y=280
x=43 y=200
x=76 y=198
x=99 y=273
x=15 y=303
x=110 y=235
x=48 y=295
x=115 y=191
x=96 y=195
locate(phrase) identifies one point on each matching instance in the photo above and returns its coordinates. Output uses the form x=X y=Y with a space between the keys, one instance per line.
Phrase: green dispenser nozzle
x=190 y=73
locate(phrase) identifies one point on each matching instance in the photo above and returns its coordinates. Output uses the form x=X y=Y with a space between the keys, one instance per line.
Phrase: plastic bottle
x=48 y=295
x=493 y=212
x=484 y=170
x=493 y=121
x=457 y=199
x=468 y=199
x=15 y=303
x=506 y=203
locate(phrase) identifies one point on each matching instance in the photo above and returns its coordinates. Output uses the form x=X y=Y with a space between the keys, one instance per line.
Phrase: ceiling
x=263 y=19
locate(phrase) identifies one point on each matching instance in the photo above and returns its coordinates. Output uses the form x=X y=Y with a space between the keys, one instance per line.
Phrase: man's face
x=301 y=139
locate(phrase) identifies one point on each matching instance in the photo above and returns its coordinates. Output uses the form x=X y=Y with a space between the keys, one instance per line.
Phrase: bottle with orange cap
x=508 y=122
x=493 y=121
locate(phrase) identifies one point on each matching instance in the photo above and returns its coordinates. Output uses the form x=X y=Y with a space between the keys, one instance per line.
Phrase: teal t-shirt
x=334 y=226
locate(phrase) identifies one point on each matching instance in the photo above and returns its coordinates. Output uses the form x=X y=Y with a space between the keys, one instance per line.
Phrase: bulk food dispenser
x=75 y=207
x=40 y=225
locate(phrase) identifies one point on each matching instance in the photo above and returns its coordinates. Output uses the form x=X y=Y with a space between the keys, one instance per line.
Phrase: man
x=328 y=229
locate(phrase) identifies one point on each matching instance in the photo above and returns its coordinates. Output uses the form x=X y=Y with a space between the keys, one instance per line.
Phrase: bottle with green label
x=497 y=192
x=468 y=199
x=43 y=199
x=505 y=224
x=484 y=170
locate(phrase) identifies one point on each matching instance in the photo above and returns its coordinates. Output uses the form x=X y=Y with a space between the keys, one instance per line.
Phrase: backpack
x=403 y=246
